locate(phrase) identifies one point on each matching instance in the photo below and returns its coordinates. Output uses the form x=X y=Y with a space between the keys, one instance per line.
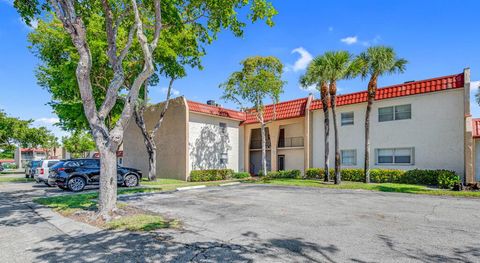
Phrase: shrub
x=241 y=175
x=293 y=174
x=440 y=178
x=211 y=175
x=354 y=175
x=447 y=179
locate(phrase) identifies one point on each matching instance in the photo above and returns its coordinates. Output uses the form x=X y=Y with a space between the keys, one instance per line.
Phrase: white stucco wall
x=435 y=131
x=206 y=144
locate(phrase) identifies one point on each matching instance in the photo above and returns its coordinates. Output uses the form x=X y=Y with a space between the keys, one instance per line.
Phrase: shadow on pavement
x=163 y=247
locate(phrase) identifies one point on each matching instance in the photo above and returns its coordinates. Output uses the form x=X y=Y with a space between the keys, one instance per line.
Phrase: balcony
x=257 y=144
x=290 y=142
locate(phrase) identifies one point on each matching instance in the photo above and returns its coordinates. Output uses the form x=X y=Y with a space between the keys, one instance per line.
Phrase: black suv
x=75 y=174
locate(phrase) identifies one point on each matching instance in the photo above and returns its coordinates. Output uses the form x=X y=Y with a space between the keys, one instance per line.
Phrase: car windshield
x=57 y=165
x=51 y=163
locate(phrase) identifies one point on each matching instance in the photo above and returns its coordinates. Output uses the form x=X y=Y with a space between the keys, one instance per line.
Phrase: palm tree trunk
x=326 y=125
x=372 y=88
x=337 y=178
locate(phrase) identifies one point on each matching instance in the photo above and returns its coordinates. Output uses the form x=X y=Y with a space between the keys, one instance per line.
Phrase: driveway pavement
x=256 y=223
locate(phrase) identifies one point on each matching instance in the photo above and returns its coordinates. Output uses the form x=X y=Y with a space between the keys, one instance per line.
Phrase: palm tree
x=339 y=66
x=376 y=62
x=315 y=75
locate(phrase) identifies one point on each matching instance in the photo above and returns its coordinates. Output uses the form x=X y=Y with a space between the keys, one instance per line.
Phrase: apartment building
x=422 y=124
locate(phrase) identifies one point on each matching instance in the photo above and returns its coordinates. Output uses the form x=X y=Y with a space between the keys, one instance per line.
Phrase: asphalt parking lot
x=254 y=223
x=291 y=224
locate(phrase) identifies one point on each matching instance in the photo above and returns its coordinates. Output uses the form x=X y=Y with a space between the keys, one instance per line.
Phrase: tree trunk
x=108 y=183
x=372 y=88
x=264 y=150
x=338 y=178
x=326 y=123
x=149 y=144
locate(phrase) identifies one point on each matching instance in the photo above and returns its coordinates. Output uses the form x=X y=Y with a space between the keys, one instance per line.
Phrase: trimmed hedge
x=293 y=174
x=211 y=175
x=440 y=178
x=241 y=175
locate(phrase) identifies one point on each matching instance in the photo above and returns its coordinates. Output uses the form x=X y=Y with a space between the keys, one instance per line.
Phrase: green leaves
x=260 y=78
x=380 y=60
x=78 y=143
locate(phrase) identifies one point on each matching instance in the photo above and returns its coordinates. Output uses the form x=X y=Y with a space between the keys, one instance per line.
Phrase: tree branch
x=158 y=23
x=164 y=110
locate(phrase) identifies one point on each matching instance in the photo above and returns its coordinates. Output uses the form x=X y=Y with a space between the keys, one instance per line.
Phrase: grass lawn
x=15 y=179
x=382 y=187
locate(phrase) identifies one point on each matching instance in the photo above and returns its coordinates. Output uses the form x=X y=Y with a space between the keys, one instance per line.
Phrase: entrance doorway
x=281 y=162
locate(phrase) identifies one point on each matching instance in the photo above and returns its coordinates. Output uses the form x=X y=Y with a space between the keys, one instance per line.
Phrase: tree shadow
x=463 y=254
x=206 y=152
x=113 y=246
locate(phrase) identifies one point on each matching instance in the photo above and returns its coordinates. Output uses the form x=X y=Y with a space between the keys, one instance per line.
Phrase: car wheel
x=76 y=184
x=130 y=180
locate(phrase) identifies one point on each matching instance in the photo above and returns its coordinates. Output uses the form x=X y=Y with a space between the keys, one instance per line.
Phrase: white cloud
x=310 y=89
x=302 y=62
x=349 y=40
x=330 y=28
x=33 y=23
x=373 y=41
x=46 y=121
x=173 y=91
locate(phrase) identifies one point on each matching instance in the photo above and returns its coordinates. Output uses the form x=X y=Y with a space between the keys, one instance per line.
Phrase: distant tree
x=316 y=75
x=131 y=25
x=260 y=79
x=79 y=143
x=13 y=131
x=376 y=62
x=339 y=66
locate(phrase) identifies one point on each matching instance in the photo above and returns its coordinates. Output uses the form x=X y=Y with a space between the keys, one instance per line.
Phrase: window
x=399 y=112
x=348 y=157
x=347 y=118
x=394 y=156
x=91 y=164
x=223 y=127
x=224 y=158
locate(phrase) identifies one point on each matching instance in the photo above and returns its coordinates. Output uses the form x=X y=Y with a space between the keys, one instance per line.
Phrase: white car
x=43 y=170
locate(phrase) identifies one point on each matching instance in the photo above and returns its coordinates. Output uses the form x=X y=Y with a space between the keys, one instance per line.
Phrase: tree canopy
x=78 y=143
x=259 y=79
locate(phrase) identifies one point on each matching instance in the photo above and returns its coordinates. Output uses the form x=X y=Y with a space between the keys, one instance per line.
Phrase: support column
x=246 y=152
x=469 y=175
x=273 y=129
x=306 y=134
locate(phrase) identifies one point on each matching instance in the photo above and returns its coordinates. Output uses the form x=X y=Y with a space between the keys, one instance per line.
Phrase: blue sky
x=437 y=38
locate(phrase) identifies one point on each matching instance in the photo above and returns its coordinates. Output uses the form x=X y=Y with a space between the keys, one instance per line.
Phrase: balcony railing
x=257 y=144
x=290 y=142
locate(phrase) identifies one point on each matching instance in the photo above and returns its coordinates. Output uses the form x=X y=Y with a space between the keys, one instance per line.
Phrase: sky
x=437 y=37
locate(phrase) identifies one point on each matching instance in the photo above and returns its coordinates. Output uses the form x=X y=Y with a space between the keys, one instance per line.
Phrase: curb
x=66 y=225
x=228 y=184
x=191 y=187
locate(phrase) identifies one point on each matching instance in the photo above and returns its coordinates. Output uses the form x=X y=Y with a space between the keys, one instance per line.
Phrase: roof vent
x=410 y=81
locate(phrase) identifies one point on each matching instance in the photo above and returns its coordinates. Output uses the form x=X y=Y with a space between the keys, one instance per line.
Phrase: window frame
x=393 y=163
x=354 y=157
x=223 y=127
x=394 y=112
x=347 y=124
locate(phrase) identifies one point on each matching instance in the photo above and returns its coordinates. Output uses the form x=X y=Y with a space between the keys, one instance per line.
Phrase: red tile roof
x=476 y=127
x=7 y=160
x=406 y=89
x=214 y=110
x=33 y=150
x=284 y=110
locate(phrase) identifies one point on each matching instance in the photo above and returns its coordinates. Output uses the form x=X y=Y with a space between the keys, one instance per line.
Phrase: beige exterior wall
x=295 y=157
x=435 y=130
x=206 y=143
x=171 y=140
x=477 y=158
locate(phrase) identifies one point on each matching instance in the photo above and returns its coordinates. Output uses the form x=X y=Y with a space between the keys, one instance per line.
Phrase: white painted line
x=191 y=187
x=232 y=183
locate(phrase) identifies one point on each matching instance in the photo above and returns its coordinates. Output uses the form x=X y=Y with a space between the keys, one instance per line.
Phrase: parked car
x=75 y=174
x=43 y=170
x=1 y=167
x=30 y=168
